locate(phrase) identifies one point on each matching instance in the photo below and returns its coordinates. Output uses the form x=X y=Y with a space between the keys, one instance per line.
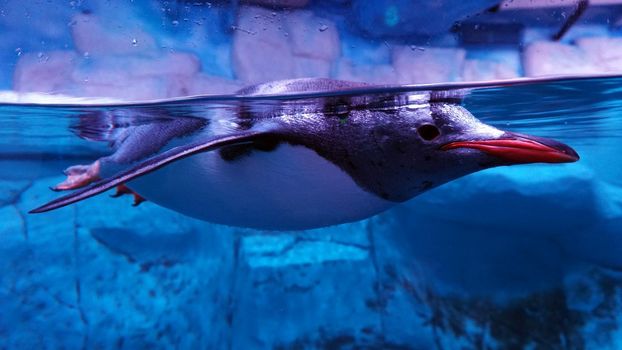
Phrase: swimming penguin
x=299 y=164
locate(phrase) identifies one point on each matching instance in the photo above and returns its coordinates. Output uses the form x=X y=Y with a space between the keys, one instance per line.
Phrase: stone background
x=153 y=49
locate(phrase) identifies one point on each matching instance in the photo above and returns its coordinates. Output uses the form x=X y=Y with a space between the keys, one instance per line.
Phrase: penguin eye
x=428 y=132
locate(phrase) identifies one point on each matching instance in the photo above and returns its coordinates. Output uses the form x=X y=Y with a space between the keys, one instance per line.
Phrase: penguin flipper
x=149 y=165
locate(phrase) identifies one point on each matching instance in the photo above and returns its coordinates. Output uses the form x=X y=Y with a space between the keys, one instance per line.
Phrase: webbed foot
x=122 y=190
x=79 y=176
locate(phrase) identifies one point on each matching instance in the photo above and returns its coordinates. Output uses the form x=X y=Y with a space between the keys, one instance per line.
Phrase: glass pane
x=365 y=204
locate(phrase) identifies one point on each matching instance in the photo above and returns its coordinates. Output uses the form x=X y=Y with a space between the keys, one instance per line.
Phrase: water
x=518 y=257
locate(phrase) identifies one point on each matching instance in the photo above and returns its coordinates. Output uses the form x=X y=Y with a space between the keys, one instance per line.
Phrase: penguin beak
x=520 y=149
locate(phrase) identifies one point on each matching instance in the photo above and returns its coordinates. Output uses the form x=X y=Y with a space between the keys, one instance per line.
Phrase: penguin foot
x=123 y=190
x=79 y=176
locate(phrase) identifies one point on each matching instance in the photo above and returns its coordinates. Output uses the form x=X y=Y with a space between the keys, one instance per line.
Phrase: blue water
x=514 y=257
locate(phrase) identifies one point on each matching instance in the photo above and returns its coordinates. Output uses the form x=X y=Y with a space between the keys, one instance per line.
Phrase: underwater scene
x=311 y=174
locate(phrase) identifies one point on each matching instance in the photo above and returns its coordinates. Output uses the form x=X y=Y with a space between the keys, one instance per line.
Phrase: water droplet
x=392 y=16
x=175 y=23
x=323 y=28
x=134 y=42
x=43 y=57
x=18 y=51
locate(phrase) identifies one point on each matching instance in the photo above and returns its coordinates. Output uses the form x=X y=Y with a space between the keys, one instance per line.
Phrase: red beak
x=521 y=149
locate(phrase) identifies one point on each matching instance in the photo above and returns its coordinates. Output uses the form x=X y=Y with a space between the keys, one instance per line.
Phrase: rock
x=38 y=292
x=355 y=234
x=281 y=251
x=492 y=65
x=551 y=58
x=448 y=266
x=307 y=45
x=278 y=3
x=13 y=231
x=30 y=28
x=428 y=65
x=261 y=50
x=33 y=22
x=328 y=302
x=169 y=280
x=185 y=64
x=367 y=73
x=48 y=72
x=480 y=226
x=544 y=190
x=136 y=77
x=151 y=250
x=603 y=52
x=362 y=51
x=404 y=18
x=170 y=275
x=33 y=28
x=314 y=44
x=140 y=89
x=205 y=84
x=487 y=70
x=578 y=31
x=112 y=36
x=122 y=69
x=10 y=191
x=312 y=37
x=305 y=276
x=130 y=77
x=402 y=287
x=311 y=68
x=216 y=60
x=600 y=242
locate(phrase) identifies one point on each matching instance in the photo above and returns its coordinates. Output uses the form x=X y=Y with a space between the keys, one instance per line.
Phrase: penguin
x=298 y=163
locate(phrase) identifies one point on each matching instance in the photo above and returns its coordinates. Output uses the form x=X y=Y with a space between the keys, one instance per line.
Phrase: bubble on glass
x=392 y=16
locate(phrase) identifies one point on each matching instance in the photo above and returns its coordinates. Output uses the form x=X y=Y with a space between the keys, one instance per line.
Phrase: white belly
x=289 y=188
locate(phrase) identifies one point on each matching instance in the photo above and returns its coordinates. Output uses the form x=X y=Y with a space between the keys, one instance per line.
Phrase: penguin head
x=446 y=142
x=454 y=131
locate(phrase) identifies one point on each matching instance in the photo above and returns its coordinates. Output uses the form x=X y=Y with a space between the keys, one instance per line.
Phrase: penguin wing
x=151 y=164
x=120 y=126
